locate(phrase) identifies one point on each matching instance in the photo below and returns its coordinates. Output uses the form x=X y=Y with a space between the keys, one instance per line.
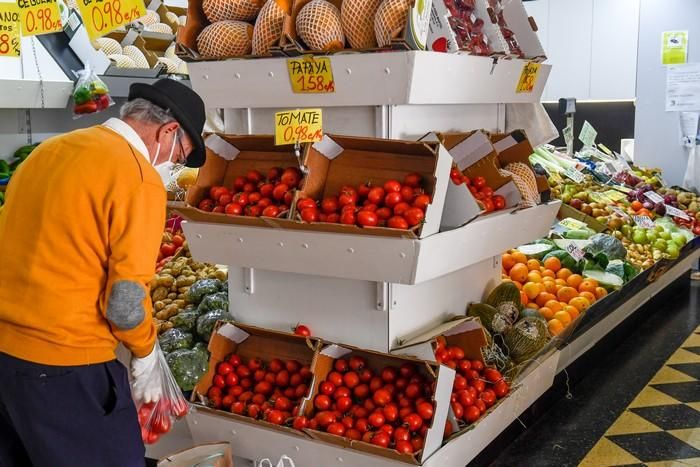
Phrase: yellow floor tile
x=695 y=405
x=683 y=356
x=630 y=422
x=690 y=436
x=606 y=453
x=649 y=397
x=693 y=340
x=694 y=462
x=668 y=375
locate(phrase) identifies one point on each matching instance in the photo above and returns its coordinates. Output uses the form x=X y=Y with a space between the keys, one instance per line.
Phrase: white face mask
x=164 y=169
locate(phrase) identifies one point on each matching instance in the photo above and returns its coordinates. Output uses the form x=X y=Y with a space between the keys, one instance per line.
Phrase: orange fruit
x=550 y=287
x=600 y=292
x=518 y=257
x=574 y=280
x=572 y=310
x=523 y=298
x=534 y=276
x=532 y=306
x=563 y=273
x=548 y=273
x=532 y=290
x=519 y=285
x=566 y=294
x=552 y=263
x=555 y=327
x=560 y=282
x=543 y=298
x=507 y=261
x=553 y=305
x=546 y=313
x=581 y=303
x=533 y=265
x=588 y=285
x=588 y=295
x=564 y=317
x=519 y=273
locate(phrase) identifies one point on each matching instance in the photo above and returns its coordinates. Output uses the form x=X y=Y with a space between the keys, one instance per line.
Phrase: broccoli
x=215 y=301
x=187 y=367
x=206 y=322
x=174 y=339
x=185 y=320
x=202 y=288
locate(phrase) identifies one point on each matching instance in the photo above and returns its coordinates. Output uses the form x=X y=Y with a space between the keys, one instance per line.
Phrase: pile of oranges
x=557 y=293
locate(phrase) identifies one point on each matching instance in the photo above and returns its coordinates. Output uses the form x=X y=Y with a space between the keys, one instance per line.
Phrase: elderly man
x=79 y=237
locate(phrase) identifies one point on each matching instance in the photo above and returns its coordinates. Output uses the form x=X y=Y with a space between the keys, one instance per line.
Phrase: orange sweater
x=79 y=237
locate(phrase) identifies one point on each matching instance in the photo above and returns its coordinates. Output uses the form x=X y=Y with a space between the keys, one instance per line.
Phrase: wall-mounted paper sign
x=674 y=47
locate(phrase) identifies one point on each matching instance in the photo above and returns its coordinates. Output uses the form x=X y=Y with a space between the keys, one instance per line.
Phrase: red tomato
x=480 y=405
x=479 y=182
x=271 y=211
x=266 y=189
x=275 y=417
x=402 y=434
x=325 y=418
x=391 y=412
x=249 y=187
x=456 y=176
x=417 y=443
x=487 y=191
x=224 y=199
x=279 y=191
x=377 y=419
x=407 y=370
x=414 y=216
x=456 y=353
x=353 y=434
x=263 y=387
x=407 y=194
x=337 y=429
x=254 y=197
x=291 y=176
x=288 y=197
x=335 y=377
x=343 y=404
x=492 y=375
x=488 y=205
x=274 y=173
x=283 y=404
x=425 y=410
x=231 y=379
x=330 y=205
x=265 y=202
x=397 y=222
x=413 y=391
x=322 y=402
x=361 y=391
x=292 y=366
x=478 y=365
x=392 y=186
x=310 y=215
x=384 y=213
x=401 y=208
x=282 y=379
x=326 y=388
x=464 y=365
x=300 y=423
x=489 y=397
x=233 y=209
x=392 y=199
x=479 y=385
x=375 y=383
x=501 y=389
x=413 y=421
x=363 y=190
x=472 y=414
x=254 y=176
x=367 y=206
x=351 y=379
x=302 y=330
x=362 y=425
x=422 y=202
x=367 y=219
x=219 y=381
x=253 y=211
x=216 y=191
x=350 y=195
x=458 y=410
x=460 y=383
x=366 y=375
x=258 y=399
x=376 y=195
x=381 y=438
x=348 y=218
x=357 y=363
x=413 y=180
x=206 y=205
x=404 y=447
x=333 y=218
x=499 y=202
x=465 y=398
x=382 y=397
x=306 y=203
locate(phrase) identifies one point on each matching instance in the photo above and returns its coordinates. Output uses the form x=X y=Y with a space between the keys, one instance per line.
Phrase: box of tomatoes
x=371 y=186
x=387 y=405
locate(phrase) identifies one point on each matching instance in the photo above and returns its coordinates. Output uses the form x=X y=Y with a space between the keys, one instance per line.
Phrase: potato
x=179 y=302
x=168 y=301
x=165 y=271
x=172 y=295
x=221 y=275
x=166 y=280
x=159 y=305
x=183 y=289
x=162 y=315
x=159 y=294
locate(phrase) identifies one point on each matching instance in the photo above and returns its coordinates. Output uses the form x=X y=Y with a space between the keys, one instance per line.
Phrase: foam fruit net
x=524 y=179
x=268 y=28
x=390 y=20
x=318 y=25
x=357 y=18
x=225 y=39
x=221 y=10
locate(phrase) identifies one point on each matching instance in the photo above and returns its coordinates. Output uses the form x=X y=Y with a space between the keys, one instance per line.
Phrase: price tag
x=104 y=16
x=620 y=212
x=528 y=78
x=39 y=17
x=572 y=224
x=588 y=134
x=9 y=30
x=675 y=212
x=311 y=75
x=575 y=251
x=643 y=221
x=605 y=149
x=614 y=195
x=298 y=126
x=623 y=189
x=654 y=197
x=574 y=174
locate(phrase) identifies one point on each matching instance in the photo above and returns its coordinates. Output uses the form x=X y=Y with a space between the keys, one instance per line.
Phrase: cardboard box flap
x=221 y=147
x=471 y=149
x=214 y=454
x=329 y=148
x=232 y=333
x=466 y=333
x=437 y=331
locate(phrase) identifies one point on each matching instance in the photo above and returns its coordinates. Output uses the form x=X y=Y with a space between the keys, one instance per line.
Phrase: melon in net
x=524 y=179
x=390 y=20
x=357 y=18
x=318 y=25
x=222 y=10
x=225 y=39
x=137 y=56
x=108 y=46
x=151 y=17
x=159 y=27
x=269 y=25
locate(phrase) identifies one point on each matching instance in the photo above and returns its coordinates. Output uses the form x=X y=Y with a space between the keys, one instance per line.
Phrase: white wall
x=592 y=45
x=657 y=132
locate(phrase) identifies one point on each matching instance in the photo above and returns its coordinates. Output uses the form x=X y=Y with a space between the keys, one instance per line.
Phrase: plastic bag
x=188 y=366
x=175 y=339
x=283 y=462
x=90 y=94
x=157 y=418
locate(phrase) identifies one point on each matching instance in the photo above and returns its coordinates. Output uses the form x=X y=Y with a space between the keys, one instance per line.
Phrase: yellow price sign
x=614 y=195
x=104 y=16
x=9 y=30
x=39 y=17
x=311 y=75
x=528 y=78
x=298 y=126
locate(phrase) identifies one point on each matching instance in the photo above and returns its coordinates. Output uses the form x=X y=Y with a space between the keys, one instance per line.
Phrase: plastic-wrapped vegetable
x=185 y=320
x=188 y=366
x=174 y=339
x=605 y=248
x=202 y=348
x=206 y=322
x=216 y=301
x=202 y=288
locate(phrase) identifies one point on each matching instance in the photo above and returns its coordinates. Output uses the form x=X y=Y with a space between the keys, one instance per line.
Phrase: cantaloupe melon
x=151 y=17
x=390 y=20
x=108 y=46
x=122 y=61
x=160 y=27
x=357 y=18
x=318 y=25
x=170 y=66
x=225 y=39
x=238 y=10
x=137 y=56
x=269 y=25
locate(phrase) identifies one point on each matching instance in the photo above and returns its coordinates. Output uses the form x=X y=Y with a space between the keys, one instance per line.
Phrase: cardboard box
x=342 y=160
x=227 y=158
x=251 y=342
x=525 y=29
x=443 y=33
x=414 y=35
x=214 y=454
x=567 y=211
x=134 y=38
x=443 y=376
x=466 y=333
x=515 y=147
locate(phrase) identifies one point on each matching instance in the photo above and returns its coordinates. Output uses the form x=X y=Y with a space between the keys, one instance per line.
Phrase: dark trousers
x=79 y=416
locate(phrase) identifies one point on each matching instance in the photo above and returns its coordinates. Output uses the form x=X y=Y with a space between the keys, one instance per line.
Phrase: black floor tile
x=695 y=350
x=684 y=392
x=670 y=417
x=690 y=369
x=655 y=447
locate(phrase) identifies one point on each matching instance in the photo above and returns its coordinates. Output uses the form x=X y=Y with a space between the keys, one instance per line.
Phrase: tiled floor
x=661 y=427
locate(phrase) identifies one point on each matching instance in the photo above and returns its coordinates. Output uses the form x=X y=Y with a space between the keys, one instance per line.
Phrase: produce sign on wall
x=9 y=30
x=311 y=75
x=39 y=17
x=298 y=126
x=104 y=16
x=528 y=78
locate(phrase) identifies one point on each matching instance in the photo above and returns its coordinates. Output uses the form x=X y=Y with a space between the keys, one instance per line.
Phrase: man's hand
x=148 y=376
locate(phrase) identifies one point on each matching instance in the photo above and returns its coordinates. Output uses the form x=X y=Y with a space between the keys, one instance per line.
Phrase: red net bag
x=225 y=39
x=318 y=25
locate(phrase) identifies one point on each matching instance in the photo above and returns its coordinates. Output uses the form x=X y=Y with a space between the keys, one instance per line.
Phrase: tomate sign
x=39 y=17
x=298 y=126
x=9 y=30
x=104 y=16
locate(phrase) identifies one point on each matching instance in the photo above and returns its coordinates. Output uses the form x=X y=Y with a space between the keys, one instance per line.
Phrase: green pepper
x=81 y=95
